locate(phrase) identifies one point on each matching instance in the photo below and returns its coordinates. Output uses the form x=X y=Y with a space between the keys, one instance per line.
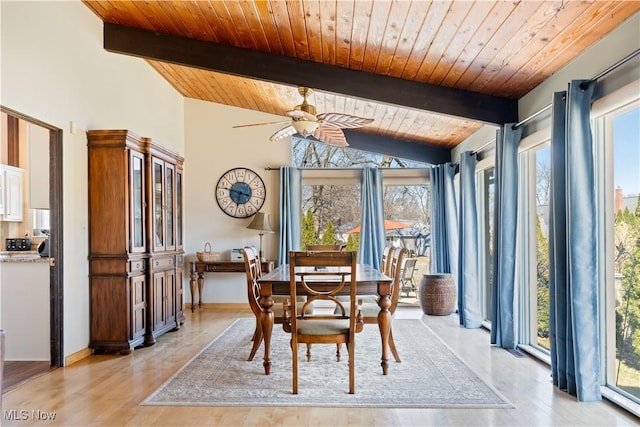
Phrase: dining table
x=369 y=281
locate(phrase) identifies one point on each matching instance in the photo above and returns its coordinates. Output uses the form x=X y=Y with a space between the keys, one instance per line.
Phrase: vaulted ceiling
x=430 y=73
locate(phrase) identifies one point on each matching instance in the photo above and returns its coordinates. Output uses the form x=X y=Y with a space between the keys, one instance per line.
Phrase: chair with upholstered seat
x=323 y=275
x=370 y=309
x=253 y=270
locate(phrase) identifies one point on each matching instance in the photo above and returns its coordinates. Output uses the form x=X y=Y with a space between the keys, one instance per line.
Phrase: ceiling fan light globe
x=305 y=127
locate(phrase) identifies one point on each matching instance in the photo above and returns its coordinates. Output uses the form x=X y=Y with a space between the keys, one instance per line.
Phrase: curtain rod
x=531 y=117
x=271 y=168
x=616 y=65
x=277 y=168
x=599 y=76
x=483 y=146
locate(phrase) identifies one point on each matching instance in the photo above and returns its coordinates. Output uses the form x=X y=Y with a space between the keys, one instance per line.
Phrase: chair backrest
x=395 y=269
x=409 y=268
x=323 y=275
x=339 y=247
x=386 y=258
x=253 y=271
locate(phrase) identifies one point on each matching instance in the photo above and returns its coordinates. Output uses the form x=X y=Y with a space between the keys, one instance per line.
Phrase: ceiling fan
x=325 y=127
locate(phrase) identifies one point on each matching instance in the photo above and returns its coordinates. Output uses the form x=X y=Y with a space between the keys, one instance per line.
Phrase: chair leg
x=339 y=347
x=352 y=375
x=257 y=340
x=308 y=352
x=392 y=346
x=294 y=364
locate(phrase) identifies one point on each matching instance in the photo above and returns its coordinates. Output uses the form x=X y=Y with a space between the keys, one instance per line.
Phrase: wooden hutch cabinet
x=135 y=240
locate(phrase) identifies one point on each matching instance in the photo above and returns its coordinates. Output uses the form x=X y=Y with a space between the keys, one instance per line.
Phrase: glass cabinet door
x=170 y=206
x=179 y=219
x=137 y=214
x=158 y=205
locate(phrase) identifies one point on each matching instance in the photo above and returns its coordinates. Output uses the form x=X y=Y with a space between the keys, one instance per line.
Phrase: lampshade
x=261 y=222
x=305 y=127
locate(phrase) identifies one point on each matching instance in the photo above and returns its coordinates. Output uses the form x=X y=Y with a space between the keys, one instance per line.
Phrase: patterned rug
x=429 y=376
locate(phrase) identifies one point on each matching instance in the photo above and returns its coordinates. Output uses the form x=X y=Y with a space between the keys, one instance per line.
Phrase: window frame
x=604 y=113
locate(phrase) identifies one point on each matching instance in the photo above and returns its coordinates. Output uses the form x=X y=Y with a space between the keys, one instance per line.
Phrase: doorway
x=55 y=241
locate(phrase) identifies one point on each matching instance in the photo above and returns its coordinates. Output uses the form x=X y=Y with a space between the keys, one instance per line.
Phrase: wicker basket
x=207 y=255
x=438 y=295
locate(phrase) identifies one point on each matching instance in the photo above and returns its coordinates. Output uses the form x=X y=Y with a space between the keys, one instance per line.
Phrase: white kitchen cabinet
x=12 y=186
x=1 y=194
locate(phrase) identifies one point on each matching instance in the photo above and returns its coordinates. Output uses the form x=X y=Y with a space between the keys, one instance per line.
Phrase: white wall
x=53 y=68
x=212 y=147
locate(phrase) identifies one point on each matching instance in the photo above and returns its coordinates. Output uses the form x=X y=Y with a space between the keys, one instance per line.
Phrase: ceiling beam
x=397 y=148
x=296 y=72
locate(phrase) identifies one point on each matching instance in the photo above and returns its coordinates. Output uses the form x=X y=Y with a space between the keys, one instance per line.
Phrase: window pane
x=329 y=211
x=409 y=207
x=626 y=159
x=489 y=192
x=41 y=222
x=543 y=193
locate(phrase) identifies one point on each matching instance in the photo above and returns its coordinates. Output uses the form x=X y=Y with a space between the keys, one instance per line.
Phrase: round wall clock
x=240 y=192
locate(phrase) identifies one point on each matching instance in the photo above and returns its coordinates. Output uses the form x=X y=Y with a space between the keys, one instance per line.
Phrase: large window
x=616 y=127
x=331 y=198
x=622 y=294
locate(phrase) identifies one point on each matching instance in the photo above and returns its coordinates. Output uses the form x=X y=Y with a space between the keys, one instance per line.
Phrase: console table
x=198 y=268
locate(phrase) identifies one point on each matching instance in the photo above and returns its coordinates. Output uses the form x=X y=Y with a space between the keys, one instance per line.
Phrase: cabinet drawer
x=163 y=263
x=137 y=265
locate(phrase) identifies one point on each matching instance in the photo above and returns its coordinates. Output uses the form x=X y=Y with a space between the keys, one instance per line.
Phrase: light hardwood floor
x=105 y=390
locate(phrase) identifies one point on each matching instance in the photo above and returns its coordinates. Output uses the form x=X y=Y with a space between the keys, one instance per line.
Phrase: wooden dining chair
x=385 y=261
x=253 y=269
x=323 y=275
x=370 y=309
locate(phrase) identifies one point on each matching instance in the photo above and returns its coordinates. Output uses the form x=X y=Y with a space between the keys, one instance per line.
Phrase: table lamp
x=262 y=223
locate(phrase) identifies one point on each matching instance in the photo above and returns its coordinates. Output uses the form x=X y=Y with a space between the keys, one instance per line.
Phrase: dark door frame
x=56 y=299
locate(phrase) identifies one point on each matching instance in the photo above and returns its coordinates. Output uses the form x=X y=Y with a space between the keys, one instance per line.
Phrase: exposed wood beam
x=397 y=148
x=292 y=71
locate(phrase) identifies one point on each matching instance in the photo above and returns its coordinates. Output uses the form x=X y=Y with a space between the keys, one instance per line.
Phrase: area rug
x=429 y=376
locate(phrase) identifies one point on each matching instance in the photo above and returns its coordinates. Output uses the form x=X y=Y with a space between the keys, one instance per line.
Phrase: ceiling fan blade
x=331 y=135
x=344 y=121
x=261 y=124
x=282 y=133
x=299 y=114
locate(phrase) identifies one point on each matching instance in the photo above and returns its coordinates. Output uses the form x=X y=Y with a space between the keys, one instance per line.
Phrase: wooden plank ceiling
x=489 y=52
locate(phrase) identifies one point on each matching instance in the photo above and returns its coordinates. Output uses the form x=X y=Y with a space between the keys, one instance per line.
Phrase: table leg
x=266 y=322
x=200 y=287
x=384 y=324
x=192 y=286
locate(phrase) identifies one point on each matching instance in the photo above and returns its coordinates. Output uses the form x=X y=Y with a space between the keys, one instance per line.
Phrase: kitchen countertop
x=22 y=256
